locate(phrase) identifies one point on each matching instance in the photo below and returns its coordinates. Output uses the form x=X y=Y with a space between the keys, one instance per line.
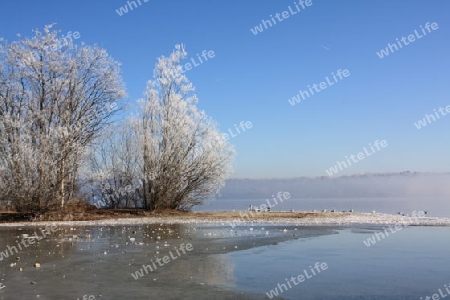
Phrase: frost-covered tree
x=54 y=98
x=114 y=166
x=185 y=158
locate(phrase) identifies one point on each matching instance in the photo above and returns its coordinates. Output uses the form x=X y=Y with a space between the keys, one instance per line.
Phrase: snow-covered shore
x=330 y=220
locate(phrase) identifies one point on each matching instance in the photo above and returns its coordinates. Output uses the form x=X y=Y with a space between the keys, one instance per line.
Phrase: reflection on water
x=101 y=260
x=242 y=263
x=216 y=270
x=411 y=264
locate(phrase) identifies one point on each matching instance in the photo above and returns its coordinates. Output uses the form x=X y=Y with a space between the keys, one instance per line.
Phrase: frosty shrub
x=185 y=159
x=53 y=102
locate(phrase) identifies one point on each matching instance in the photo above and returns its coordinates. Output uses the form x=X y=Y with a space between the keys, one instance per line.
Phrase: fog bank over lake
x=403 y=185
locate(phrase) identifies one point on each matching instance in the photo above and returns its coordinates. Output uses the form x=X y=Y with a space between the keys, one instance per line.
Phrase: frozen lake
x=244 y=263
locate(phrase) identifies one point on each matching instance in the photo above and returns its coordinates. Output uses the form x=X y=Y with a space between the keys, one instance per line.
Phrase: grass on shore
x=91 y=214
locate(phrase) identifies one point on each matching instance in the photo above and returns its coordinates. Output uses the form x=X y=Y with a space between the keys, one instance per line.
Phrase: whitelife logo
x=64 y=41
x=411 y=38
x=319 y=87
x=284 y=15
x=124 y=10
x=392 y=228
x=300 y=278
x=188 y=66
x=281 y=196
x=430 y=118
x=27 y=241
x=356 y=158
x=234 y=133
x=165 y=260
x=437 y=296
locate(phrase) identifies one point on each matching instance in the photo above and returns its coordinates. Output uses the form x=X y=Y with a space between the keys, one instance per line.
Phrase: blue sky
x=252 y=76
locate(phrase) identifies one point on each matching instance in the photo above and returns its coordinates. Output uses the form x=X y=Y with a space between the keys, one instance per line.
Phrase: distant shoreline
x=240 y=218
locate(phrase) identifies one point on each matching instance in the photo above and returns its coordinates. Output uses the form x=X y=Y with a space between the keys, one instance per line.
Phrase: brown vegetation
x=84 y=212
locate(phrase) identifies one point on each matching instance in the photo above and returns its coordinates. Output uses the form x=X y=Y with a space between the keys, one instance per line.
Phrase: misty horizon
x=405 y=184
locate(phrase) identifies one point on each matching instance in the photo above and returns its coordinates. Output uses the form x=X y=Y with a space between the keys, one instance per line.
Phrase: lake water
x=410 y=264
x=241 y=263
x=437 y=207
